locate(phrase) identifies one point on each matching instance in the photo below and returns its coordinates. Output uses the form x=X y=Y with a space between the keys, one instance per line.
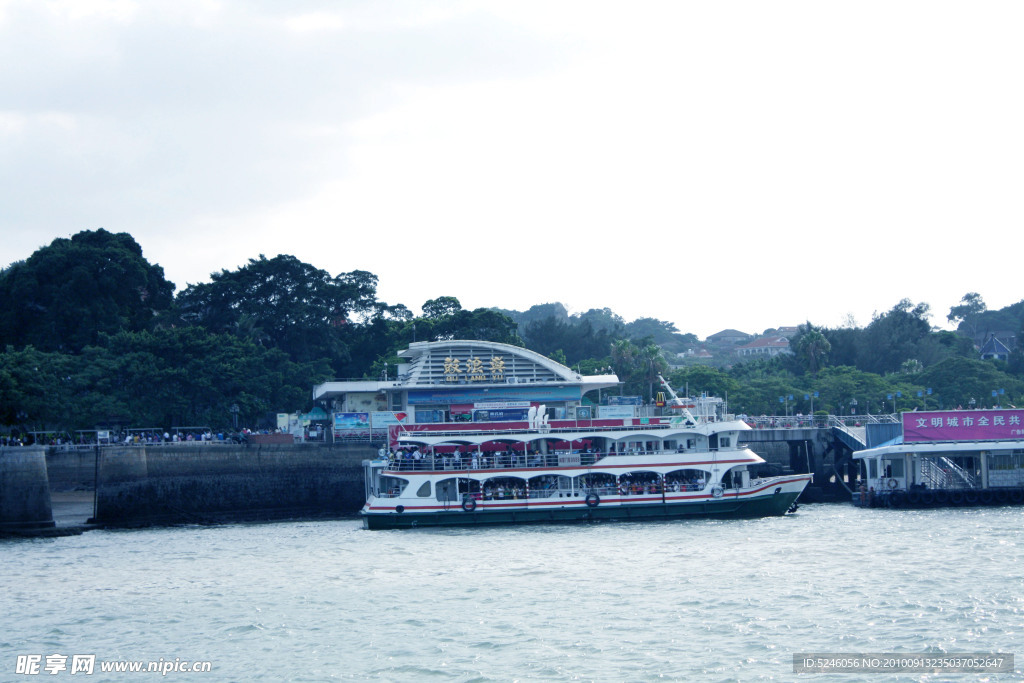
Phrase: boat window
x=502 y=488
x=392 y=486
x=550 y=486
x=639 y=483
x=1006 y=461
x=872 y=469
x=424 y=490
x=725 y=441
x=894 y=468
x=447 y=489
x=737 y=478
x=686 y=480
x=600 y=483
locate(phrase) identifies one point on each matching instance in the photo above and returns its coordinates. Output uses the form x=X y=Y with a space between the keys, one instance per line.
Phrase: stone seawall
x=24 y=490
x=71 y=469
x=209 y=484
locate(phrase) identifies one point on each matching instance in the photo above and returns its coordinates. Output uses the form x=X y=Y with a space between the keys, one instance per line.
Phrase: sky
x=732 y=164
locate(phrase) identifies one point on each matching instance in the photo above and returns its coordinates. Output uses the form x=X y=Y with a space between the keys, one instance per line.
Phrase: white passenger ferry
x=562 y=471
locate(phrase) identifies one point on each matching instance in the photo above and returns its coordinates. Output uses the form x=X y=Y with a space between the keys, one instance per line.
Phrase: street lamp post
x=811 y=397
x=234 y=414
x=785 y=400
x=606 y=370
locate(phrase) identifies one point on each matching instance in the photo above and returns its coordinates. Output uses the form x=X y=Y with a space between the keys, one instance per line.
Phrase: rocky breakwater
x=24 y=490
x=211 y=483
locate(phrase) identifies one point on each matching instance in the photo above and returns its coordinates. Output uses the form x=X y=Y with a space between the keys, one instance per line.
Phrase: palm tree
x=812 y=348
x=653 y=363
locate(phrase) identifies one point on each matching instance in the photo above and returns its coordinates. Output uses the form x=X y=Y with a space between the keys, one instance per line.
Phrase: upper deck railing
x=817 y=421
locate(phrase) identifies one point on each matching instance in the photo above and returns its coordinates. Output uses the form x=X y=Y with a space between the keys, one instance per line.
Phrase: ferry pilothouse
x=685 y=465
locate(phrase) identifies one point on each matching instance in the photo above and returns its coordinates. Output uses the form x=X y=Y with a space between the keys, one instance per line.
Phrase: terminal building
x=462 y=381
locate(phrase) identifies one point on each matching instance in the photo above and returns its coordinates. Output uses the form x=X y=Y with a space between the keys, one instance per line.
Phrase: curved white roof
x=460 y=362
x=432 y=363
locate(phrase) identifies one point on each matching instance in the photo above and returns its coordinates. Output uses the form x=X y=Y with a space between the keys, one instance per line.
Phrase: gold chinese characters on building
x=473 y=370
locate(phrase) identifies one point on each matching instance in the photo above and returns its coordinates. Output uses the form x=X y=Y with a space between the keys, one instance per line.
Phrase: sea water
x=708 y=600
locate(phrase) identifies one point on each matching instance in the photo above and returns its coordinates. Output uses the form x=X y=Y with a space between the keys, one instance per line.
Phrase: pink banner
x=963 y=425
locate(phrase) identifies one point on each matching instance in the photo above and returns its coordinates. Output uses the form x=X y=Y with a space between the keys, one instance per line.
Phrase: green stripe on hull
x=762 y=506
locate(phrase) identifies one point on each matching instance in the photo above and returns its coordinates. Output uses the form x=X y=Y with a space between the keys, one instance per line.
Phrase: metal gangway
x=942 y=473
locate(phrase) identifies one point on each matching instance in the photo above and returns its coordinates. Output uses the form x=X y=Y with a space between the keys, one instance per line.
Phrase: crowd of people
x=128 y=438
x=415 y=458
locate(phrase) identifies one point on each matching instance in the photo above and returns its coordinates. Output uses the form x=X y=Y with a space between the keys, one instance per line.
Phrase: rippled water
x=715 y=600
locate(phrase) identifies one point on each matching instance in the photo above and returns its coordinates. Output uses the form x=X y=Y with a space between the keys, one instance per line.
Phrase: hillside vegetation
x=93 y=334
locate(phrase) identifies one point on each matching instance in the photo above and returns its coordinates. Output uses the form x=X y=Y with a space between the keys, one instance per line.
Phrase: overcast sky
x=713 y=164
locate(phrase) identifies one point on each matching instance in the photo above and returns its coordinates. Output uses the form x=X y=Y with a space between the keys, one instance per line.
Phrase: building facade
x=462 y=381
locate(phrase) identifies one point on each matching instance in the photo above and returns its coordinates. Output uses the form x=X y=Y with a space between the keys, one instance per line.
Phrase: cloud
x=172 y=111
x=703 y=163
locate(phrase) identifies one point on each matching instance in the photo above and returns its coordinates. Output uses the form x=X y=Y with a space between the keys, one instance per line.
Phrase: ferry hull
x=771 y=505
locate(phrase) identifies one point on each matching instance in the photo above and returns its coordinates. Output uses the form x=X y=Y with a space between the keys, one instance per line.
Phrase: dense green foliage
x=65 y=295
x=92 y=334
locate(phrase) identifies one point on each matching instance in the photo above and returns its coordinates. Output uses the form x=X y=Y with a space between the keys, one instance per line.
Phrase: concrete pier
x=24 y=490
x=210 y=484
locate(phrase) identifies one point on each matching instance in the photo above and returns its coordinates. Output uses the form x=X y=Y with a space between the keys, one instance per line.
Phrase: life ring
x=893 y=483
x=593 y=500
x=717 y=491
x=469 y=504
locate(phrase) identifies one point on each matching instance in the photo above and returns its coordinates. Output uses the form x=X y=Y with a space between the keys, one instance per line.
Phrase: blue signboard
x=504 y=415
x=625 y=401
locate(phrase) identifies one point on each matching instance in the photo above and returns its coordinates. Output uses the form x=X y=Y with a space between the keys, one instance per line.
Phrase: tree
x=967 y=312
x=441 y=306
x=663 y=333
x=297 y=308
x=187 y=376
x=652 y=364
x=546 y=335
x=893 y=337
x=35 y=387
x=955 y=381
x=911 y=366
x=69 y=293
x=603 y=320
x=577 y=338
x=811 y=348
x=485 y=324
x=698 y=379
